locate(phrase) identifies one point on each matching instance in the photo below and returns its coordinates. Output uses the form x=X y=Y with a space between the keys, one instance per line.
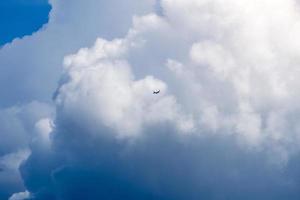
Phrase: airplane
x=156 y=91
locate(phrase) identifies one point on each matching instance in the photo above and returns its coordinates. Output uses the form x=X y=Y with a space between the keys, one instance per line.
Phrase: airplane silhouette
x=156 y=91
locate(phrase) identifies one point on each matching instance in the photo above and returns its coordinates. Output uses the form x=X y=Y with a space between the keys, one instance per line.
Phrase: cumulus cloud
x=17 y=131
x=225 y=124
x=30 y=68
x=17 y=125
x=10 y=179
x=37 y=58
x=237 y=52
x=101 y=88
x=236 y=77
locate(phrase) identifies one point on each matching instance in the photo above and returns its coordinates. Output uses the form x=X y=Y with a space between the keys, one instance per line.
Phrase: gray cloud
x=17 y=130
x=161 y=164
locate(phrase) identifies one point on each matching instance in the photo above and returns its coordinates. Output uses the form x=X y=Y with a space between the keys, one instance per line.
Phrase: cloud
x=37 y=58
x=17 y=125
x=20 y=196
x=12 y=161
x=225 y=125
x=10 y=179
x=236 y=64
x=101 y=87
x=17 y=129
x=31 y=67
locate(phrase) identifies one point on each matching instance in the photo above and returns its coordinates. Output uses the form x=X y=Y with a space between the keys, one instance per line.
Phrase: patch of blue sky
x=19 y=18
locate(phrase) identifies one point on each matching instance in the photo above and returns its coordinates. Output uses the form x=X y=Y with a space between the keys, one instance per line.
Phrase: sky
x=79 y=120
x=19 y=18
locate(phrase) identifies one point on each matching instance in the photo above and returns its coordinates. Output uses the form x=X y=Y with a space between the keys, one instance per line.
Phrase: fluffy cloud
x=101 y=88
x=17 y=130
x=31 y=66
x=243 y=64
x=225 y=124
x=37 y=58
x=10 y=179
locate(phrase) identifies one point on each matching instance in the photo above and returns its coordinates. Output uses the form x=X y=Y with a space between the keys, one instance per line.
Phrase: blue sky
x=19 y=18
x=78 y=118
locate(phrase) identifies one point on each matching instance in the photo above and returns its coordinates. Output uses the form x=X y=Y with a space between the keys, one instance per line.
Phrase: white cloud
x=31 y=67
x=12 y=161
x=43 y=129
x=231 y=69
x=20 y=196
x=241 y=53
x=226 y=69
x=17 y=125
x=36 y=59
x=101 y=88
